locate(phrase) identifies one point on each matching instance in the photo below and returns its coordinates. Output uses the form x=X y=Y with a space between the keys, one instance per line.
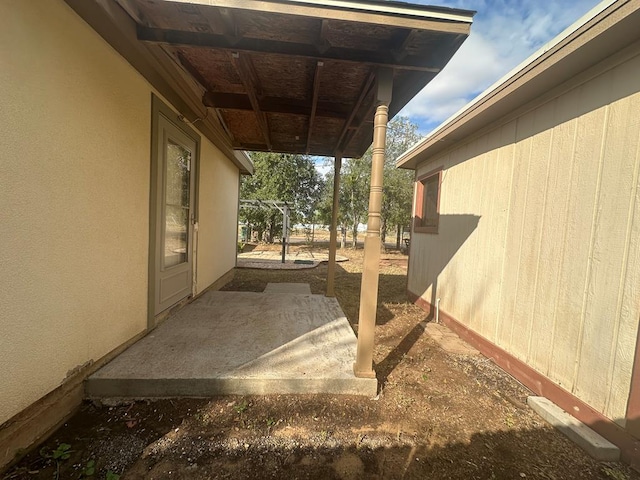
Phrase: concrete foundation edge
x=595 y=445
x=163 y=388
x=541 y=385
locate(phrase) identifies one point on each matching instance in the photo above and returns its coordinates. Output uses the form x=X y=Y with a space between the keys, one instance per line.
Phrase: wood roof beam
x=385 y=58
x=247 y=73
x=366 y=87
x=314 y=102
x=323 y=44
x=402 y=40
x=241 y=101
x=226 y=18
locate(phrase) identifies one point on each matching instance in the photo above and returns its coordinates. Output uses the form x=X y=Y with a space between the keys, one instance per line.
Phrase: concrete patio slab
x=297 y=288
x=240 y=343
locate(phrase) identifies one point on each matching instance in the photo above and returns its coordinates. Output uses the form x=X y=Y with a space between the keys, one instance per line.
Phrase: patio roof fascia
x=369 y=11
x=596 y=36
x=116 y=21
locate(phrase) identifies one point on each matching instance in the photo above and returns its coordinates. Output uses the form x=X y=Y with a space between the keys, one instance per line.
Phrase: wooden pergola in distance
x=291 y=76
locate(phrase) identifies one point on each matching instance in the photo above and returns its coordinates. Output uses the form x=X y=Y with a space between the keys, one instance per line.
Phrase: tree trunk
x=272 y=228
x=343 y=240
x=398 y=236
x=354 y=232
x=383 y=232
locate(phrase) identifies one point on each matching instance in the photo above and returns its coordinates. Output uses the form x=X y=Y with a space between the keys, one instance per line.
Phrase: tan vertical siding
x=545 y=259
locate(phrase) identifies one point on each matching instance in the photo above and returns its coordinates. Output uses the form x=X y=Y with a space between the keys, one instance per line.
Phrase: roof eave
x=374 y=12
x=532 y=78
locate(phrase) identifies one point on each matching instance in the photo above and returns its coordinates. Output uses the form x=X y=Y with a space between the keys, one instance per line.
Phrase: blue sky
x=503 y=34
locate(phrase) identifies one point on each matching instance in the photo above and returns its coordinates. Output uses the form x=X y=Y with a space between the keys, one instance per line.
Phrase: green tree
x=354 y=194
x=353 y=199
x=282 y=177
x=397 y=190
x=355 y=180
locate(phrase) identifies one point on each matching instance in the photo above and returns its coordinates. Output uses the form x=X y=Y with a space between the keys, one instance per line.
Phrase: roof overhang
x=288 y=76
x=603 y=33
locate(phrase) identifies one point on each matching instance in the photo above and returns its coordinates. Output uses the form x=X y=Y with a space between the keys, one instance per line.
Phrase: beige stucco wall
x=74 y=199
x=217 y=216
x=539 y=243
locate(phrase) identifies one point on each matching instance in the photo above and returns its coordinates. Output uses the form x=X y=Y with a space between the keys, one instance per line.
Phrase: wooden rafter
x=193 y=71
x=314 y=102
x=291 y=106
x=132 y=9
x=366 y=87
x=247 y=74
x=226 y=18
x=403 y=39
x=323 y=43
x=305 y=50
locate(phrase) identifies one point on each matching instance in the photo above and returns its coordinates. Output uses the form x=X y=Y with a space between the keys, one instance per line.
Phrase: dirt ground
x=438 y=416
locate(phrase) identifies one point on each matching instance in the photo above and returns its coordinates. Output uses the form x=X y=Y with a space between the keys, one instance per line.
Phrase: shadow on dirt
x=261 y=437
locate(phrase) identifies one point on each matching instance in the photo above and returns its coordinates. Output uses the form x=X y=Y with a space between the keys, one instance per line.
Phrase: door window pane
x=176 y=204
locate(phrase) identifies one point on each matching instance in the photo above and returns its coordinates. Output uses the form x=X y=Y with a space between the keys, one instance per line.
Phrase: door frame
x=159 y=109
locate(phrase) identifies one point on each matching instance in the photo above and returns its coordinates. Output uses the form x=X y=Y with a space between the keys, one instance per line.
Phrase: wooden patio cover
x=286 y=75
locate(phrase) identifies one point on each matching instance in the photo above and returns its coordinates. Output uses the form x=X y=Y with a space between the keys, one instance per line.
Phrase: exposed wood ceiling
x=283 y=78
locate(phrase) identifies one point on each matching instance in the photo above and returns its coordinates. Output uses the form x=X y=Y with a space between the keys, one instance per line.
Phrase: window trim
x=419 y=203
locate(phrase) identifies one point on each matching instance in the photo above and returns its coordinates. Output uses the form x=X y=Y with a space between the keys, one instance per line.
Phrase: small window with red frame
x=427 y=214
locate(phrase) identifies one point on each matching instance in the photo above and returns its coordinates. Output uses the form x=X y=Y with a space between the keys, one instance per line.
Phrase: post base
x=363 y=373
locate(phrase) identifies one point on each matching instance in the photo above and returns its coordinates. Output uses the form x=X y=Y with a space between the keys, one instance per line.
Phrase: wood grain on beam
x=314 y=102
x=246 y=72
x=364 y=90
x=182 y=38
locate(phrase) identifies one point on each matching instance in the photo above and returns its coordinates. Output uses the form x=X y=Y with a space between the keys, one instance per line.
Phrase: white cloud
x=504 y=33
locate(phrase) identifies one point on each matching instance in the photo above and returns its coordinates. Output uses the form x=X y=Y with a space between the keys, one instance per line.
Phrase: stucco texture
x=539 y=243
x=217 y=216
x=74 y=200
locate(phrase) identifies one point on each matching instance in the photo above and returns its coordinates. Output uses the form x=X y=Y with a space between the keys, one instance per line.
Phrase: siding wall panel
x=573 y=272
x=602 y=317
x=542 y=135
x=475 y=245
x=554 y=224
x=506 y=160
x=514 y=322
x=623 y=141
x=545 y=258
x=487 y=292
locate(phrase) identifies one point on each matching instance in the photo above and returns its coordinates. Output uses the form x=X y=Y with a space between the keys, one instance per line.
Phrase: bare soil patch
x=438 y=416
